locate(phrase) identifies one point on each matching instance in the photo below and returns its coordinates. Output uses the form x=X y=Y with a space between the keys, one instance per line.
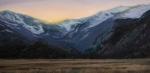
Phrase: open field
x=75 y=66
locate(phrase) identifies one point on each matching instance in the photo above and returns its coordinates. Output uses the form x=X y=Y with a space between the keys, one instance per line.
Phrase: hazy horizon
x=56 y=10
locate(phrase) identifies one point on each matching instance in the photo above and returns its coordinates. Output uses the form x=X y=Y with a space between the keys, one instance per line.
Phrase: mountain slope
x=129 y=40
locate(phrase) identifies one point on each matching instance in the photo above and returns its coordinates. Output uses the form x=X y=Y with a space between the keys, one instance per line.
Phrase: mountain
x=120 y=32
x=129 y=37
x=25 y=21
x=23 y=36
x=29 y=28
x=99 y=26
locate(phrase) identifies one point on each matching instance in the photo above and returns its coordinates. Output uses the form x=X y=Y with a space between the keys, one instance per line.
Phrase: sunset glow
x=58 y=10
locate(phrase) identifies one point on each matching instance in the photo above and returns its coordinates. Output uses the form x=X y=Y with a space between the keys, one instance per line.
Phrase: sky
x=58 y=10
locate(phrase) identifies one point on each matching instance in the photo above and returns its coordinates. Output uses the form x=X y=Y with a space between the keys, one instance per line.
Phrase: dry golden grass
x=75 y=66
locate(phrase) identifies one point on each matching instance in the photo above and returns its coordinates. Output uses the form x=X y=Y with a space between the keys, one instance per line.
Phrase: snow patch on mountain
x=97 y=19
x=68 y=24
x=36 y=30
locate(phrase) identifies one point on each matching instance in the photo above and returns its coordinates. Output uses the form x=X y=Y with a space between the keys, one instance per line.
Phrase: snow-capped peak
x=119 y=9
x=9 y=15
x=134 y=12
x=28 y=22
x=102 y=16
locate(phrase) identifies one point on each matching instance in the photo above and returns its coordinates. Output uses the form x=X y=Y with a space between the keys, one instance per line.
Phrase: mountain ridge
x=86 y=36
